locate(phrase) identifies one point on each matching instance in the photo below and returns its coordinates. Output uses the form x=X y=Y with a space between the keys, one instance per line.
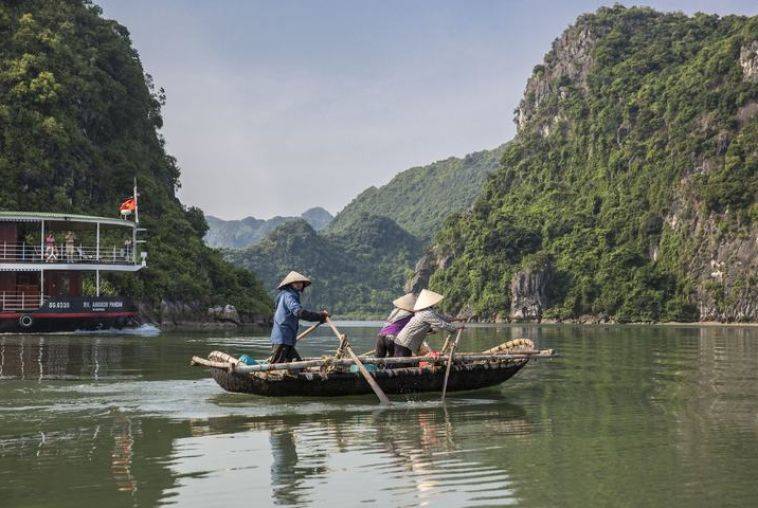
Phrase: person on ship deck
x=51 y=251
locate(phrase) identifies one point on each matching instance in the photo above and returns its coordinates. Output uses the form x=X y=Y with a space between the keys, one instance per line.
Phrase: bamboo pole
x=266 y=367
x=447 y=343
x=453 y=347
x=345 y=345
x=450 y=363
x=308 y=331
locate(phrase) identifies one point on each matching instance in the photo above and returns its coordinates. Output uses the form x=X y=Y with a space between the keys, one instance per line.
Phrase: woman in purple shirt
x=398 y=318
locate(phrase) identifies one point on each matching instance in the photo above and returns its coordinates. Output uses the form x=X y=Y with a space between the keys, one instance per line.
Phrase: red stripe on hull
x=62 y=315
x=59 y=315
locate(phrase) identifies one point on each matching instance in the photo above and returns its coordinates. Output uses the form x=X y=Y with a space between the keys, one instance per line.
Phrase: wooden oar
x=447 y=342
x=468 y=316
x=450 y=363
x=366 y=374
x=308 y=331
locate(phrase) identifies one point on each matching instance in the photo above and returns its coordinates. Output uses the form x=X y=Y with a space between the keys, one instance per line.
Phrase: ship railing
x=67 y=253
x=21 y=301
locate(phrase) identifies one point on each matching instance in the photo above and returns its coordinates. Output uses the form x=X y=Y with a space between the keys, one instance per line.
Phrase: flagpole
x=136 y=202
x=136 y=222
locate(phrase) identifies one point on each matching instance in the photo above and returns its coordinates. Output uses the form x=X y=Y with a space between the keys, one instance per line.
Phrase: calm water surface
x=626 y=416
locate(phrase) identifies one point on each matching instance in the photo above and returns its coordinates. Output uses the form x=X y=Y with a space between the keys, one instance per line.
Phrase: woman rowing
x=287 y=315
x=396 y=321
x=424 y=320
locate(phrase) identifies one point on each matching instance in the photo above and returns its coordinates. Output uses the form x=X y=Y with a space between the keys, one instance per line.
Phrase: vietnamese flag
x=128 y=206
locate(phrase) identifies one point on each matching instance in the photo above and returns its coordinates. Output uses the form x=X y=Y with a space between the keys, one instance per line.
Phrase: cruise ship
x=51 y=266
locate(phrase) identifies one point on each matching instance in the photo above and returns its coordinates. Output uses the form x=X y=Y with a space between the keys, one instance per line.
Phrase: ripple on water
x=625 y=416
x=407 y=455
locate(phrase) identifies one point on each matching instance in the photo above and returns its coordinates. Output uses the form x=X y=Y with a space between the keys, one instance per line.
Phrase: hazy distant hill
x=364 y=257
x=317 y=217
x=358 y=271
x=238 y=234
x=419 y=199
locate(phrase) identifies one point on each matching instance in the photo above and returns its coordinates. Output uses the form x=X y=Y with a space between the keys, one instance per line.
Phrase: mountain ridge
x=420 y=198
x=381 y=250
x=238 y=234
x=355 y=273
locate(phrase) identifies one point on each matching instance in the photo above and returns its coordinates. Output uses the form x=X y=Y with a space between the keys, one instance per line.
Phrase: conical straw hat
x=294 y=277
x=405 y=302
x=427 y=299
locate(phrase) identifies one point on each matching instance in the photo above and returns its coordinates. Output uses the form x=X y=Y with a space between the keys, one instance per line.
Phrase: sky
x=277 y=106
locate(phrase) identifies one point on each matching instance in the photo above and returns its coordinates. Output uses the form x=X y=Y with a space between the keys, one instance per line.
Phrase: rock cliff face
x=195 y=315
x=723 y=264
x=749 y=61
x=529 y=292
x=568 y=63
x=634 y=174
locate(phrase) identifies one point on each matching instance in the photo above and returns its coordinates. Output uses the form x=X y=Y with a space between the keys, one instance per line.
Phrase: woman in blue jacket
x=287 y=315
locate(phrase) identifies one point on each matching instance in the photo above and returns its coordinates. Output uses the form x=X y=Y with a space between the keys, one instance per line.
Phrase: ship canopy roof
x=62 y=217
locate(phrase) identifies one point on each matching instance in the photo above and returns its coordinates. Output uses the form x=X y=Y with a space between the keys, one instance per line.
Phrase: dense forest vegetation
x=79 y=120
x=356 y=272
x=632 y=180
x=238 y=234
x=420 y=199
x=361 y=261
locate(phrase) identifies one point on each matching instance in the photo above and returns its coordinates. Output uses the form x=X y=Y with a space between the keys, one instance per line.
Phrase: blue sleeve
x=292 y=305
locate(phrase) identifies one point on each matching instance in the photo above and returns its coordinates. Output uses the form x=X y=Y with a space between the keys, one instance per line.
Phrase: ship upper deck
x=39 y=241
x=63 y=217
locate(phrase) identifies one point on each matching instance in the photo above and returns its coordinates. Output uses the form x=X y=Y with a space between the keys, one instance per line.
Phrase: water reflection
x=633 y=416
x=59 y=357
x=122 y=455
x=102 y=452
x=404 y=457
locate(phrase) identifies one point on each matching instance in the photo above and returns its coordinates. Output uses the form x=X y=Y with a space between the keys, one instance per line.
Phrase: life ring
x=25 y=321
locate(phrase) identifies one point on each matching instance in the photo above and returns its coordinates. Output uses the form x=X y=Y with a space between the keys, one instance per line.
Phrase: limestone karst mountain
x=629 y=192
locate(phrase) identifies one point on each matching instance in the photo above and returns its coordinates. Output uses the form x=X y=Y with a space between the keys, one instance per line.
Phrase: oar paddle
x=450 y=362
x=308 y=331
x=447 y=343
x=366 y=374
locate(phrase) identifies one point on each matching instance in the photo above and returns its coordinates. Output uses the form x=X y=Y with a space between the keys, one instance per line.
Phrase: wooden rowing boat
x=329 y=377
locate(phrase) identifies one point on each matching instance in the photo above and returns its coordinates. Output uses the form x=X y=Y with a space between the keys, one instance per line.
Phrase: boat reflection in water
x=405 y=456
x=123 y=455
x=102 y=451
x=51 y=357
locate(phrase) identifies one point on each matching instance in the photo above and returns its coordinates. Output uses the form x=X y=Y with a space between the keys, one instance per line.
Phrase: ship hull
x=64 y=314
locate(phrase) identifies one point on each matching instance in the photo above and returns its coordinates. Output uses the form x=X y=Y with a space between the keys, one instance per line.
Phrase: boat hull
x=393 y=381
x=67 y=314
